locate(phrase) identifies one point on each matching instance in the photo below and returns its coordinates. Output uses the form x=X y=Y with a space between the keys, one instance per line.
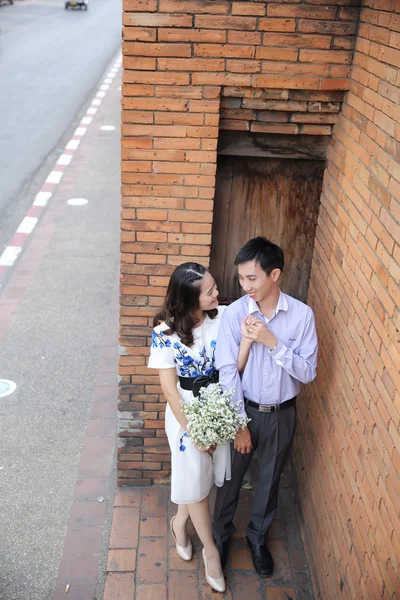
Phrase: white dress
x=193 y=472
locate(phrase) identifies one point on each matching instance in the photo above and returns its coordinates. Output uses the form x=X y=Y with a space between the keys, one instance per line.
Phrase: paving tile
x=119 y=586
x=245 y=586
x=104 y=394
x=298 y=560
x=242 y=518
x=78 y=570
x=277 y=531
x=151 y=591
x=278 y=593
x=209 y=594
x=106 y=365
x=241 y=559
x=183 y=586
x=110 y=349
x=282 y=566
x=122 y=560
x=75 y=592
x=176 y=562
x=106 y=379
x=86 y=514
x=91 y=488
x=153 y=527
x=98 y=446
x=155 y=502
x=303 y=586
x=101 y=427
x=127 y=497
x=189 y=528
x=125 y=527
x=103 y=410
x=152 y=566
x=246 y=499
x=162 y=575
x=95 y=465
x=85 y=540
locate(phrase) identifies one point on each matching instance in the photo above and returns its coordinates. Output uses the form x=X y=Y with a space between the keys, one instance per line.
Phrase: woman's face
x=208 y=293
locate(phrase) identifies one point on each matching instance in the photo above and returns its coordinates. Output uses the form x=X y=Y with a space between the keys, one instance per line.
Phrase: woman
x=183 y=350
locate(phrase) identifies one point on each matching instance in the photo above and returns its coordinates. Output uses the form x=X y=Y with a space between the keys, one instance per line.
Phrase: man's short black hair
x=268 y=255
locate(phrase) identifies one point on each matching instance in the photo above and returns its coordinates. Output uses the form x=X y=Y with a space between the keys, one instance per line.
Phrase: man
x=278 y=332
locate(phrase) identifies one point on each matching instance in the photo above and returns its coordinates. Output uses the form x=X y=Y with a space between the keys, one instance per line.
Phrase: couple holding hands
x=263 y=346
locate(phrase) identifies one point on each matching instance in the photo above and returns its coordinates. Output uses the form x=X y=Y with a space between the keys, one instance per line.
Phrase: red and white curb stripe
x=19 y=240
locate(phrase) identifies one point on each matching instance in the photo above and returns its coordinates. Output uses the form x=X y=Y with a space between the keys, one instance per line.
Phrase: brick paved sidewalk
x=143 y=564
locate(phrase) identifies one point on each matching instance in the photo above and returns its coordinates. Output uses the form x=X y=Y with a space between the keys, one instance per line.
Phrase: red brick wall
x=192 y=68
x=347 y=448
x=281 y=111
x=186 y=64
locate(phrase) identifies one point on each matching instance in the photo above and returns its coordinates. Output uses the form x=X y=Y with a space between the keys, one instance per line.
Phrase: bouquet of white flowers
x=212 y=417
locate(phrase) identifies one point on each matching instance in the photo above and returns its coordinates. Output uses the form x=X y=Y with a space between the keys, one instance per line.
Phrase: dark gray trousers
x=272 y=435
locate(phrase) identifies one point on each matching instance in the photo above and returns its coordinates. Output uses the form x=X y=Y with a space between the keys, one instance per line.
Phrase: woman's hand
x=245 y=332
x=210 y=450
x=168 y=381
x=256 y=331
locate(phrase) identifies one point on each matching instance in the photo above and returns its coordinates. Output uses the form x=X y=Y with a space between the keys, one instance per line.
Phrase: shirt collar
x=282 y=305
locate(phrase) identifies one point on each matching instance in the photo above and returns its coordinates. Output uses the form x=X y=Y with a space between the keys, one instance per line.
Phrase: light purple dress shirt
x=270 y=377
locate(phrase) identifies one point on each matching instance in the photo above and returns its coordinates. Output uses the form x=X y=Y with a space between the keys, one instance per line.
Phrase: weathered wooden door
x=275 y=198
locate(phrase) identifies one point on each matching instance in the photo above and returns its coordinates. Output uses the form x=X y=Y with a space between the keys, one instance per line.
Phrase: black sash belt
x=194 y=384
x=271 y=408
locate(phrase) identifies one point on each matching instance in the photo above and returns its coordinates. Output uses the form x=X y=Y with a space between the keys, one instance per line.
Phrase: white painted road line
x=64 y=159
x=27 y=225
x=54 y=177
x=42 y=198
x=9 y=256
x=72 y=144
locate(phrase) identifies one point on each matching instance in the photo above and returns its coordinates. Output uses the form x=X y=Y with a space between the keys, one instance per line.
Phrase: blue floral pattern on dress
x=190 y=361
x=189 y=366
x=159 y=340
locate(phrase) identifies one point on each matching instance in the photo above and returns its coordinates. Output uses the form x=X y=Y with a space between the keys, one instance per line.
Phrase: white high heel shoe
x=219 y=584
x=186 y=552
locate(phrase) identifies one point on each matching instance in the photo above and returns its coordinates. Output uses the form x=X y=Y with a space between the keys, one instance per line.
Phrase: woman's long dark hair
x=182 y=302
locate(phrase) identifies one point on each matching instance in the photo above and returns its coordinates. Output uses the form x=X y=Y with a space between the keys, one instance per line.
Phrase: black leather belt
x=194 y=384
x=270 y=408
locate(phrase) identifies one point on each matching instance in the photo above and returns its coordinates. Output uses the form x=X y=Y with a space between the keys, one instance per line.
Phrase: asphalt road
x=50 y=61
x=51 y=350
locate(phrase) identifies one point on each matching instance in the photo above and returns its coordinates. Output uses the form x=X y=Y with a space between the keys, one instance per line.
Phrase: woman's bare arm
x=168 y=385
x=244 y=348
x=244 y=351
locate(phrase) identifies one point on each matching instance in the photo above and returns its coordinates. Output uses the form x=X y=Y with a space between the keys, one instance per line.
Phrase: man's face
x=255 y=282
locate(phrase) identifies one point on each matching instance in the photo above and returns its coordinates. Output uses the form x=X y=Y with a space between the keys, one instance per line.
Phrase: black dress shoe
x=262 y=559
x=223 y=549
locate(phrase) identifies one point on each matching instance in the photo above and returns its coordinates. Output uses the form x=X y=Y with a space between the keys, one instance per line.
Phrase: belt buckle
x=269 y=408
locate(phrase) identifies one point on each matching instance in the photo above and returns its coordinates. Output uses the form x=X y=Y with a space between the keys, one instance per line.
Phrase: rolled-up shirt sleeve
x=226 y=359
x=301 y=365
